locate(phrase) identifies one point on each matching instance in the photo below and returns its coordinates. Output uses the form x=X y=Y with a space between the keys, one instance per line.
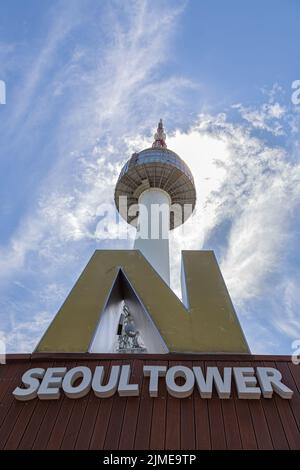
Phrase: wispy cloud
x=267 y=117
x=286 y=313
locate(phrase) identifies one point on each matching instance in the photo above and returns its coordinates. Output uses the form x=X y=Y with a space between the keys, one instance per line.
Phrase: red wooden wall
x=148 y=423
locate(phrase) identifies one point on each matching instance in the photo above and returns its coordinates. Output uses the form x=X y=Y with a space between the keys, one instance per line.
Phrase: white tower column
x=152 y=237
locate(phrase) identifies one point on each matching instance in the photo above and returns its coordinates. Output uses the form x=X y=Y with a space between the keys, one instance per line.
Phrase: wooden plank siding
x=144 y=422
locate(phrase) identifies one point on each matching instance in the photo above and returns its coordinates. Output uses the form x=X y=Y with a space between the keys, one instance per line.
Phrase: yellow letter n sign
x=205 y=323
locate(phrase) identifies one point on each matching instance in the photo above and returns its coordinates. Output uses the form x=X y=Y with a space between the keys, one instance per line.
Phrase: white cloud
x=23 y=335
x=287 y=316
x=266 y=118
x=26 y=102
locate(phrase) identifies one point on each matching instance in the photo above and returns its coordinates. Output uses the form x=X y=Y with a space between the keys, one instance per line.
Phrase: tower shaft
x=152 y=237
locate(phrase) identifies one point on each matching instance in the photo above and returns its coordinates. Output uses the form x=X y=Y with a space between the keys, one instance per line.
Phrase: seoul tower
x=160 y=195
x=122 y=302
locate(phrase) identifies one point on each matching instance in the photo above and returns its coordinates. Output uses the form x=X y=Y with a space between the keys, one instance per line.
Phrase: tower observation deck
x=157 y=177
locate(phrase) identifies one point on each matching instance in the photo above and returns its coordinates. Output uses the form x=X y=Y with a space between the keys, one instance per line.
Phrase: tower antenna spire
x=159 y=137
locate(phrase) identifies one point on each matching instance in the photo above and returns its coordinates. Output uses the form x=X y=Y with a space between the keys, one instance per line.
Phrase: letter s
x=31 y=382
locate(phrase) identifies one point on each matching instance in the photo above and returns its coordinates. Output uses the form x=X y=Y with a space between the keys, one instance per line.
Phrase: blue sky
x=86 y=84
